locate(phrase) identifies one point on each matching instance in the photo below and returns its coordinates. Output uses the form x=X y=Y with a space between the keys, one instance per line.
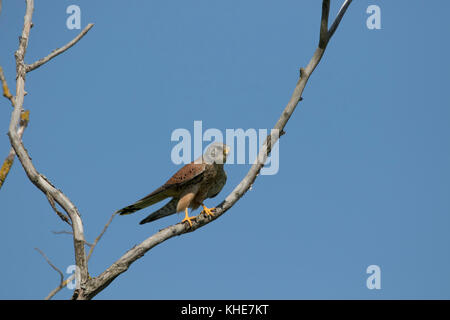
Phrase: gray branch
x=92 y=247
x=58 y=51
x=40 y=181
x=59 y=213
x=339 y=17
x=323 y=38
x=62 y=282
x=61 y=275
x=91 y=250
x=97 y=284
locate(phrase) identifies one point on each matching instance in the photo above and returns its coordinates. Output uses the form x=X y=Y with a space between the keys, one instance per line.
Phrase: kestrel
x=188 y=187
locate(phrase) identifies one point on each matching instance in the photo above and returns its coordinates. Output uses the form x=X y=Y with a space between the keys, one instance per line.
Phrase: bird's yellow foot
x=207 y=211
x=187 y=218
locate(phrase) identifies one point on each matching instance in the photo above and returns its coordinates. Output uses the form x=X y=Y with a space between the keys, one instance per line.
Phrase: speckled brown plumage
x=188 y=187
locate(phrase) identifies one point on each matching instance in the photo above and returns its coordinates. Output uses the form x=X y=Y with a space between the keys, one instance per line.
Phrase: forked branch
x=58 y=51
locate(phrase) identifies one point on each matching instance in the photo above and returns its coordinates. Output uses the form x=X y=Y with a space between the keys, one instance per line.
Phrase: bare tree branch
x=61 y=275
x=58 y=288
x=35 y=177
x=339 y=17
x=58 y=51
x=59 y=213
x=97 y=284
x=71 y=234
x=100 y=235
x=323 y=39
x=63 y=232
x=91 y=245
x=62 y=282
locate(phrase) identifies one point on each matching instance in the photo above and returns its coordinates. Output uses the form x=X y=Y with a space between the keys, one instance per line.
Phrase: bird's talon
x=208 y=211
x=188 y=219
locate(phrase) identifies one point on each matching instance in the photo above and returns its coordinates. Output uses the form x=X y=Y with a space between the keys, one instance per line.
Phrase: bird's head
x=216 y=153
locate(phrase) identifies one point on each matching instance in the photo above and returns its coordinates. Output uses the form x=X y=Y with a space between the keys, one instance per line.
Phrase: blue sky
x=364 y=173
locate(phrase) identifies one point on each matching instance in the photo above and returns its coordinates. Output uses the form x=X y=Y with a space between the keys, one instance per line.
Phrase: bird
x=189 y=187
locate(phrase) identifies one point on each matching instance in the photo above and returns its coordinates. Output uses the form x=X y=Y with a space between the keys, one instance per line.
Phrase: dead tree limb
x=58 y=51
x=40 y=181
x=97 y=284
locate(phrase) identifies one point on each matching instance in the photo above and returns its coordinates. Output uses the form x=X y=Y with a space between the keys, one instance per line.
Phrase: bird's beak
x=227 y=150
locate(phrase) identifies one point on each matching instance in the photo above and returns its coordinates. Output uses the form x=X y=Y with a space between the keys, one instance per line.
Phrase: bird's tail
x=167 y=210
x=152 y=198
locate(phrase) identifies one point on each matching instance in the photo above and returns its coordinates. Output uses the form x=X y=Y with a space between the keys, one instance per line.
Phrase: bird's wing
x=167 y=210
x=219 y=183
x=187 y=175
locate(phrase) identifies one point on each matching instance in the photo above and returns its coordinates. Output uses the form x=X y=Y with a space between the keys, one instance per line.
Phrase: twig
x=100 y=235
x=71 y=233
x=323 y=39
x=339 y=17
x=63 y=232
x=59 y=213
x=61 y=275
x=58 y=51
x=92 y=246
x=58 y=288
x=62 y=282
x=97 y=284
